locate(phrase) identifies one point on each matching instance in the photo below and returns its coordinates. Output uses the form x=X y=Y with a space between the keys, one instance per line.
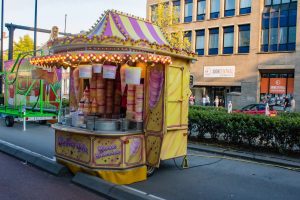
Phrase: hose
x=235 y=159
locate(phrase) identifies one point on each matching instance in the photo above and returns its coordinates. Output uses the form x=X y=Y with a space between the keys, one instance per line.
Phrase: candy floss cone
x=109 y=96
x=130 y=102
x=122 y=75
x=139 y=102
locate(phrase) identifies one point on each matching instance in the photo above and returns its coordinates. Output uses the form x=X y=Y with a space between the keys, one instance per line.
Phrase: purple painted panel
x=153 y=33
x=137 y=28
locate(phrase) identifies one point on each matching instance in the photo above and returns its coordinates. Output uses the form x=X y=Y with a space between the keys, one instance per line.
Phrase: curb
x=110 y=190
x=246 y=156
x=34 y=159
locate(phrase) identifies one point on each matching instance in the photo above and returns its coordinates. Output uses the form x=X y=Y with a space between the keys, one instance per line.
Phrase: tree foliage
x=24 y=44
x=168 y=19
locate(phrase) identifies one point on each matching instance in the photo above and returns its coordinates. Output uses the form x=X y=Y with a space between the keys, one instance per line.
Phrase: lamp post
x=1 y=55
x=35 y=28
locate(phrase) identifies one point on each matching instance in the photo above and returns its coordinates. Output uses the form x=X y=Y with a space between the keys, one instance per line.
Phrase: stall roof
x=128 y=27
x=119 y=30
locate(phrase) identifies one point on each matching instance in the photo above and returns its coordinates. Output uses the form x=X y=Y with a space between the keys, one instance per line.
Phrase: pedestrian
x=286 y=103
x=207 y=100
x=192 y=100
x=217 y=101
x=293 y=104
x=267 y=110
x=229 y=110
x=204 y=100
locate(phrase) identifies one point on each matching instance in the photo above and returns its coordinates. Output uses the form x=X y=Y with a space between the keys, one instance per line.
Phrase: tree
x=24 y=44
x=168 y=19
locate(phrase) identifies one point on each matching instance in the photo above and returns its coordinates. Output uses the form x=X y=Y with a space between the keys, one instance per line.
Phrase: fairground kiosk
x=129 y=96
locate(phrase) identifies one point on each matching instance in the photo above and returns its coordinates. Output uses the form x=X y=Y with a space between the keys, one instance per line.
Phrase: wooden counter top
x=98 y=133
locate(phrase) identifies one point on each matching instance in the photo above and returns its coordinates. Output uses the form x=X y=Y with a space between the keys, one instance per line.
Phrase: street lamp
x=35 y=27
x=1 y=55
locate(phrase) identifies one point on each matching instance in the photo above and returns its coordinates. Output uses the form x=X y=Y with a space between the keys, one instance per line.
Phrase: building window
x=201 y=10
x=279 y=26
x=229 y=8
x=200 y=41
x=188 y=35
x=244 y=38
x=213 y=41
x=228 y=40
x=214 y=9
x=176 y=11
x=245 y=6
x=153 y=13
x=188 y=11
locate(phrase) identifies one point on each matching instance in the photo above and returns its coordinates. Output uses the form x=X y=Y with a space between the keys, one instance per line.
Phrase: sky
x=81 y=14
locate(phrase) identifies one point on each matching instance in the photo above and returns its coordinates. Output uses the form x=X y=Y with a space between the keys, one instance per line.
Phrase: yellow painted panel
x=174 y=144
x=185 y=95
x=153 y=147
x=154 y=116
x=134 y=150
x=173 y=114
x=174 y=86
x=73 y=146
x=126 y=176
x=108 y=152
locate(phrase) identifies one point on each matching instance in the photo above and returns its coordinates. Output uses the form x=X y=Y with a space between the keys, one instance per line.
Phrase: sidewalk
x=274 y=159
x=20 y=180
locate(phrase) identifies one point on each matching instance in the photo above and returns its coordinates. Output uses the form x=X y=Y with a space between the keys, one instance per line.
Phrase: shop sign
x=219 y=71
x=277 y=85
x=107 y=151
x=73 y=146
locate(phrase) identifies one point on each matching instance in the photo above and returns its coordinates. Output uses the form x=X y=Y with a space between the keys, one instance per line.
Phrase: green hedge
x=279 y=133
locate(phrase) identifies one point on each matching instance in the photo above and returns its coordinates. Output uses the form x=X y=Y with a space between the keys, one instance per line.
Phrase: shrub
x=281 y=133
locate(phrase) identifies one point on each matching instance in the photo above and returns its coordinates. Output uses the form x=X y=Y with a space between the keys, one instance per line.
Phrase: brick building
x=248 y=49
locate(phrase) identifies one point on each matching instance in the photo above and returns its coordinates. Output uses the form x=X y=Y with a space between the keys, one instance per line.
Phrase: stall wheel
x=9 y=121
x=150 y=170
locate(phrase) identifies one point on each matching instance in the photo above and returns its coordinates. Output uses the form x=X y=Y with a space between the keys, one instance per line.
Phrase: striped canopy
x=127 y=27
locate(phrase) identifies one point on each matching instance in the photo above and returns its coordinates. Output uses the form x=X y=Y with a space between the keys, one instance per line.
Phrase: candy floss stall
x=128 y=98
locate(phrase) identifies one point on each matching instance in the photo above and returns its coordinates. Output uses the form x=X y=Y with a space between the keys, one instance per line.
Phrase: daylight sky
x=81 y=14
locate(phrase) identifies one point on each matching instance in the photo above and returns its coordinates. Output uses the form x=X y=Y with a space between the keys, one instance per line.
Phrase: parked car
x=257 y=109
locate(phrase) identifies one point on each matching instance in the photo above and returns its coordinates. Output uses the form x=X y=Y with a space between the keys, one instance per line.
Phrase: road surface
x=208 y=178
x=20 y=181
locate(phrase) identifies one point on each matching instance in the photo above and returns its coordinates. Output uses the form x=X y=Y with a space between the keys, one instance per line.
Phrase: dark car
x=257 y=109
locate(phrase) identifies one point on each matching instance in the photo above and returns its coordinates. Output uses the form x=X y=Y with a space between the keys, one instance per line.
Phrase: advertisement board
x=277 y=85
x=219 y=72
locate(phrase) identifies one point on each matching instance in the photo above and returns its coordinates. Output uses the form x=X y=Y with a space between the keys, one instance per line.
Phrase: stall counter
x=117 y=156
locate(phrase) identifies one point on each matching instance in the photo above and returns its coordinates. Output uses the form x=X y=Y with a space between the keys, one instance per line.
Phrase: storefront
x=275 y=86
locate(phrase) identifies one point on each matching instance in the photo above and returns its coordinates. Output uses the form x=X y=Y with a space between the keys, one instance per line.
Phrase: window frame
x=229 y=12
x=244 y=49
x=188 y=18
x=215 y=15
x=245 y=10
x=285 y=22
x=213 y=51
x=201 y=16
x=200 y=33
x=228 y=50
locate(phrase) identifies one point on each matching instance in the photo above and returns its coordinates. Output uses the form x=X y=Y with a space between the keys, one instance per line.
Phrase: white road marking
x=26 y=150
x=144 y=193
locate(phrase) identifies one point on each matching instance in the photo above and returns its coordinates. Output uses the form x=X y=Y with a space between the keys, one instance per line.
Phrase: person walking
x=293 y=104
x=192 y=100
x=207 y=100
x=217 y=101
x=229 y=110
x=286 y=103
x=204 y=100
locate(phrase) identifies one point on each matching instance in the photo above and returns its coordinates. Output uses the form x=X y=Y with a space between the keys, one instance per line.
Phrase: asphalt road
x=208 y=178
x=20 y=181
